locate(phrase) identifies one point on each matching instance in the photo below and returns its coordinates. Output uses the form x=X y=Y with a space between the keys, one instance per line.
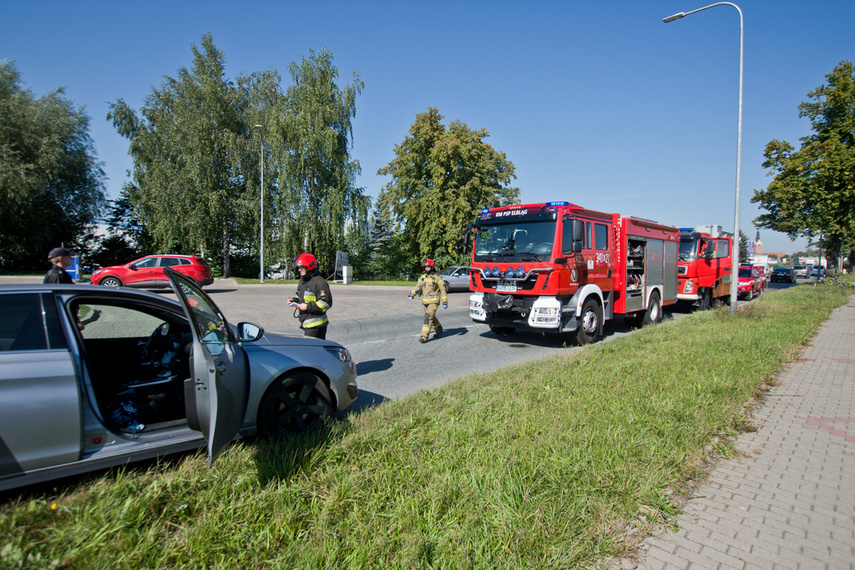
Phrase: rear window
x=202 y=261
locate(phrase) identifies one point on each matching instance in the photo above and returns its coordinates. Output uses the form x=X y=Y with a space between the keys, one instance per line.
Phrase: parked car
x=750 y=282
x=783 y=275
x=800 y=271
x=817 y=271
x=92 y=377
x=456 y=278
x=148 y=271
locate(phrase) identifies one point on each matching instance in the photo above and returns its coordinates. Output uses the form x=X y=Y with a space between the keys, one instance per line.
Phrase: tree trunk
x=226 y=268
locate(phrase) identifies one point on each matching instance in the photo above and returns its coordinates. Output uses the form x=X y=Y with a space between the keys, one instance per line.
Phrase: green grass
x=558 y=463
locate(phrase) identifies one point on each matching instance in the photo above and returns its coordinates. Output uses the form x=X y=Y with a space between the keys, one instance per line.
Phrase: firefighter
x=313 y=298
x=432 y=289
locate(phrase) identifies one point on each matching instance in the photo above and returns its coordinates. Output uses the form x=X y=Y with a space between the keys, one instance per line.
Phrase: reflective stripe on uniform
x=315 y=322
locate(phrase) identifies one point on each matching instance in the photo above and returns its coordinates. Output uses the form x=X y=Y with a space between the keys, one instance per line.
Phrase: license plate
x=506 y=287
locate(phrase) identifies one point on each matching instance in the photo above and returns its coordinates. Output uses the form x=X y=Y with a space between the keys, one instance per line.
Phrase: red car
x=751 y=282
x=148 y=271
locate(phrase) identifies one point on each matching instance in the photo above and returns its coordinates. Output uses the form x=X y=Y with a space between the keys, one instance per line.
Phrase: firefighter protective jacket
x=315 y=292
x=432 y=289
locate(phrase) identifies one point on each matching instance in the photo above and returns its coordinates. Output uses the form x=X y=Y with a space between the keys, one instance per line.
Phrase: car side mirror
x=249 y=332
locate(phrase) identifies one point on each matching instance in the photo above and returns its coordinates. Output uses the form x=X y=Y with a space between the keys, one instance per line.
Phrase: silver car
x=456 y=278
x=92 y=377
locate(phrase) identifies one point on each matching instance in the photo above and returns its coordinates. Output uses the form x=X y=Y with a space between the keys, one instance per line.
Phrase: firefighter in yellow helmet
x=432 y=289
x=313 y=298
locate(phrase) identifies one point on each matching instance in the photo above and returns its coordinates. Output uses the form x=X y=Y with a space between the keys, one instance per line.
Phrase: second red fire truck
x=705 y=273
x=557 y=267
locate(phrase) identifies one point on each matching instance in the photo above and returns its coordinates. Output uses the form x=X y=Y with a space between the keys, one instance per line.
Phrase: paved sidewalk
x=789 y=502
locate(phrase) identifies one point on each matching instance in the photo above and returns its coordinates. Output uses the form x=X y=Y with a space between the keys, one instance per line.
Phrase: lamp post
x=734 y=285
x=261 y=233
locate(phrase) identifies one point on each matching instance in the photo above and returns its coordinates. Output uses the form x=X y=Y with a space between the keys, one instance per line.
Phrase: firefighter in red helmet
x=313 y=298
x=432 y=289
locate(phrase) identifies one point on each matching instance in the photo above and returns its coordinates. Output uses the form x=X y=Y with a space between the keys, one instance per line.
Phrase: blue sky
x=599 y=102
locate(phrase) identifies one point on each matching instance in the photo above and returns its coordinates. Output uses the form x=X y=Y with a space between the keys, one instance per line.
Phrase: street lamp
x=734 y=285
x=261 y=233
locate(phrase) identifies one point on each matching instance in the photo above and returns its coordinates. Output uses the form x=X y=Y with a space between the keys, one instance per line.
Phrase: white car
x=92 y=377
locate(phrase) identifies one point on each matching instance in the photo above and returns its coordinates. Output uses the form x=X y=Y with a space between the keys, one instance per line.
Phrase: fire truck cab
x=705 y=267
x=559 y=268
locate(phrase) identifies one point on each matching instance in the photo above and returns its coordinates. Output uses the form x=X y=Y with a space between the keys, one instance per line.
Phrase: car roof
x=86 y=289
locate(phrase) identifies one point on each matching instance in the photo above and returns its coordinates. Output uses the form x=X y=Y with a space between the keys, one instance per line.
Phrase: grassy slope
x=539 y=465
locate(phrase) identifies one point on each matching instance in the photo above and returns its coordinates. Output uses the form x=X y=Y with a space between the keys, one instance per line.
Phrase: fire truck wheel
x=653 y=314
x=589 y=322
x=706 y=300
x=502 y=331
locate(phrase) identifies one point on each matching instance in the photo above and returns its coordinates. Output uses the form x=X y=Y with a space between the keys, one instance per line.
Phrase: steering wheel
x=156 y=345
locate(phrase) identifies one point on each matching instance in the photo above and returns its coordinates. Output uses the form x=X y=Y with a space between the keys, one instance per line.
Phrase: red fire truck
x=704 y=271
x=560 y=268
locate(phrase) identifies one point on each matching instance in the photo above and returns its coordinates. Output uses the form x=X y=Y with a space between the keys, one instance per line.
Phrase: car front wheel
x=297 y=403
x=111 y=282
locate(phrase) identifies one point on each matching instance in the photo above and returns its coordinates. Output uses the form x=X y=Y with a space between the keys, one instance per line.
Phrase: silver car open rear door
x=216 y=395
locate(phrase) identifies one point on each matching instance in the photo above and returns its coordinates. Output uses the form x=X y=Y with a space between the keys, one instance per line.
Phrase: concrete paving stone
x=685 y=545
x=762 y=549
x=717 y=553
x=661 y=559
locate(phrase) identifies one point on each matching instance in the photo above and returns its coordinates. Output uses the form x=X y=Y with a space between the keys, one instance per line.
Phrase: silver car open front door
x=217 y=392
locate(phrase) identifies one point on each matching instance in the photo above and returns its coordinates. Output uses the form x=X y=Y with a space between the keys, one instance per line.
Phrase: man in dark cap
x=60 y=258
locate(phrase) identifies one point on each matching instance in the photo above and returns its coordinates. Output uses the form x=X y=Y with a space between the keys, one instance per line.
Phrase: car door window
x=147 y=263
x=110 y=321
x=138 y=361
x=169 y=261
x=22 y=326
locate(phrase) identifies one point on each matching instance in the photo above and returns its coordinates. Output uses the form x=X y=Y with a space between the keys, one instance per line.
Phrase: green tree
x=51 y=184
x=310 y=136
x=385 y=257
x=441 y=178
x=813 y=191
x=743 y=247
x=193 y=187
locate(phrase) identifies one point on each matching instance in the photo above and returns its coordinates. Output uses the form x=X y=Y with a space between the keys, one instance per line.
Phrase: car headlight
x=339 y=352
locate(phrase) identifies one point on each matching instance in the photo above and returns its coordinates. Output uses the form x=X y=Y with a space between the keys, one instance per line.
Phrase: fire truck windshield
x=515 y=240
x=689 y=250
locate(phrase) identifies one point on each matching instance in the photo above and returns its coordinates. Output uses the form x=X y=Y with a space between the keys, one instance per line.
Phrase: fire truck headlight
x=520 y=272
x=687 y=288
x=486 y=272
x=509 y=272
x=545 y=313
x=476 y=307
x=496 y=272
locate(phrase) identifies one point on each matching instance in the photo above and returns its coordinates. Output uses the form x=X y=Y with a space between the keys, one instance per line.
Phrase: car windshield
x=532 y=239
x=744 y=272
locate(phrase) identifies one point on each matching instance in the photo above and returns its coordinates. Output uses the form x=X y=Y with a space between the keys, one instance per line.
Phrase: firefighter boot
x=437 y=331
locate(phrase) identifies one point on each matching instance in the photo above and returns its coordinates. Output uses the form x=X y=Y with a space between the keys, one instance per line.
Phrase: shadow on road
x=369 y=366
